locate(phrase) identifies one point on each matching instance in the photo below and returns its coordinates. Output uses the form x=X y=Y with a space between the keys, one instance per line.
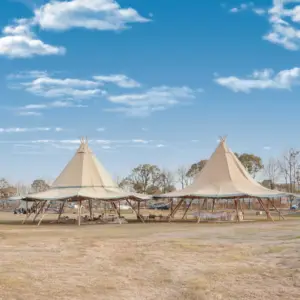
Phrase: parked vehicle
x=162 y=206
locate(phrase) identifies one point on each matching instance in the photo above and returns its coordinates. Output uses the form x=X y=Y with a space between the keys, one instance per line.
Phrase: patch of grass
x=276 y=249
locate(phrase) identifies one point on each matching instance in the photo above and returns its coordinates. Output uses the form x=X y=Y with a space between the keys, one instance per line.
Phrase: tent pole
x=269 y=217
x=279 y=212
x=39 y=211
x=175 y=209
x=28 y=215
x=237 y=210
x=114 y=205
x=171 y=206
x=213 y=205
x=136 y=212
x=241 y=208
x=116 y=208
x=44 y=213
x=61 y=210
x=79 y=213
x=188 y=207
x=90 y=208
x=199 y=209
x=139 y=207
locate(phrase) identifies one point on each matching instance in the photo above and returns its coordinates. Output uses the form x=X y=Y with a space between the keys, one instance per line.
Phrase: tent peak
x=84 y=145
x=222 y=138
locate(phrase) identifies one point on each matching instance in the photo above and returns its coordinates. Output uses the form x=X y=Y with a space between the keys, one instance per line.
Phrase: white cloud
x=35 y=109
x=241 y=7
x=58 y=129
x=160 y=146
x=21 y=130
x=29 y=113
x=140 y=141
x=42 y=84
x=284 y=17
x=267 y=148
x=119 y=79
x=154 y=99
x=101 y=129
x=92 y=14
x=265 y=79
x=259 y=11
x=18 y=41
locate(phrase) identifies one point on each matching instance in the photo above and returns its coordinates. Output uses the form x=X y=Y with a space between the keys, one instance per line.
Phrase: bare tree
x=290 y=167
x=167 y=181
x=182 y=177
x=272 y=171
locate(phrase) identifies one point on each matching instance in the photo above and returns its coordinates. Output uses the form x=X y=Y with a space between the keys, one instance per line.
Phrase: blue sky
x=146 y=81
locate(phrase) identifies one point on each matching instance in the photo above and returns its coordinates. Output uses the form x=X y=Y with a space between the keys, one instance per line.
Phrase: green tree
x=39 y=185
x=251 y=162
x=144 y=178
x=196 y=168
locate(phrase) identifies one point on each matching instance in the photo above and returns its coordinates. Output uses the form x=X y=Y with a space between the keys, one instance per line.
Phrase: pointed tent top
x=84 y=146
x=223 y=138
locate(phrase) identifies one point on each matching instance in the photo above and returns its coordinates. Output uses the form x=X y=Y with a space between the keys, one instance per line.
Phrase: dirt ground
x=150 y=261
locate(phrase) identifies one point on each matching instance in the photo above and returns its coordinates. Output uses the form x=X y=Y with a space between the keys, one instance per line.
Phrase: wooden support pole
x=171 y=206
x=39 y=211
x=279 y=212
x=241 y=207
x=61 y=209
x=44 y=213
x=213 y=205
x=79 y=213
x=29 y=214
x=187 y=208
x=175 y=209
x=139 y=208
x=237 y=210
x=269 y=217
x=203 y=203
x=91 y=208
x=140 y=217
x=117 y=212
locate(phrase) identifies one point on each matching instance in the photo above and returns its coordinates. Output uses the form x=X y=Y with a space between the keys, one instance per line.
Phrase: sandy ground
x=150 y=261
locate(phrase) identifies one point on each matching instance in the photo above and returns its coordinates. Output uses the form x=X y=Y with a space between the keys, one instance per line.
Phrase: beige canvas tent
x=223 y=177
x=84 y=178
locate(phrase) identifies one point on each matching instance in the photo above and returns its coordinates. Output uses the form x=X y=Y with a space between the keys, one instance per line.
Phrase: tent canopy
x=223 y=176
x=85 y=178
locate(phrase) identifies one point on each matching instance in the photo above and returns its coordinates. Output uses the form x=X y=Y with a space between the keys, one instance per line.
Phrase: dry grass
x=152 y=261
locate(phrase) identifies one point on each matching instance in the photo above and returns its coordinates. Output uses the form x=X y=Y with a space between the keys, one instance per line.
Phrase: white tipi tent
x=223 y=176
x=85 y=178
